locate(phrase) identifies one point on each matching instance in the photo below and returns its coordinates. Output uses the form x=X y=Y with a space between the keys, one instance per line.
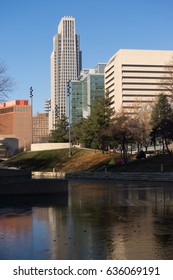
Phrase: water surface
x=99 y=220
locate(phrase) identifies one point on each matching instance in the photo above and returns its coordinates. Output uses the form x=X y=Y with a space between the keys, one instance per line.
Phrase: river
x=99 y=220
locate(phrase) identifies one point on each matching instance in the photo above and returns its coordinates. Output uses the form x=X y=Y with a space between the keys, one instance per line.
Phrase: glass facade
x=83 y=93
x=76 y=101
x=96 y=86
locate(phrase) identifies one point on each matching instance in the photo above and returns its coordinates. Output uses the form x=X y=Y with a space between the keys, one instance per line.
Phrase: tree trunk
x=163 y=145
x=167 y=148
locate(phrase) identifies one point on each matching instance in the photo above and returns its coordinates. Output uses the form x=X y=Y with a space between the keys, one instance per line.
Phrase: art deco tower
x=66 y=64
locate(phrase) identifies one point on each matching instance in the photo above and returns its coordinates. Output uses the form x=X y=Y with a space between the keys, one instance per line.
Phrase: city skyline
x=27 y=30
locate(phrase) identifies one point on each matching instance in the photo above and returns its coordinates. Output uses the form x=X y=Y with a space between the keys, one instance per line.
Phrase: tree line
x=106 y=129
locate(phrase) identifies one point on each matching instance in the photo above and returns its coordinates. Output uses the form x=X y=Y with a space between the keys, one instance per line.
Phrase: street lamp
x=31 y=96
x=69 y=130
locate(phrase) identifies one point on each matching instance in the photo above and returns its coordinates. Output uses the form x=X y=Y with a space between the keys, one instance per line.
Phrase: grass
x=81 y=160
x=86 y=160
x=151 y=164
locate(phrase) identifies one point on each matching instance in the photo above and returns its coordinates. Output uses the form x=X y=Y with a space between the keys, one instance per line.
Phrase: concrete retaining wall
x=35 y=187
x=49 y=146
x=126 y=176
x=8 y=176
x=14 y=182
x=53 y=174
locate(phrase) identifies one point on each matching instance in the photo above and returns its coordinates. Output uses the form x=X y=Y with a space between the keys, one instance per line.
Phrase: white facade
x=133 y=77
x=65 y=66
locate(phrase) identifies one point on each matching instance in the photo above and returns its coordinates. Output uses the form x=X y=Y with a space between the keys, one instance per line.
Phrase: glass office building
x=84 y=91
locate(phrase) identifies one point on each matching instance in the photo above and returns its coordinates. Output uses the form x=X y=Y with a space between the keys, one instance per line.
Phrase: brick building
x=16 y=121
x=40 y=128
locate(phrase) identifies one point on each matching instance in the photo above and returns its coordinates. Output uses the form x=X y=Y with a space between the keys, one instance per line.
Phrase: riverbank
x=91 y=164
x=87 y=161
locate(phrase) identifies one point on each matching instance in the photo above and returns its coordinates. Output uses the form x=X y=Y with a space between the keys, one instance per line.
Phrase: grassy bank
x=86 y=160
x=81 y=160
x=155 y=163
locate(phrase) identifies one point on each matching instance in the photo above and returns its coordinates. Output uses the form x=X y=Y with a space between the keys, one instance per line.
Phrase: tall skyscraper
x=66 y=64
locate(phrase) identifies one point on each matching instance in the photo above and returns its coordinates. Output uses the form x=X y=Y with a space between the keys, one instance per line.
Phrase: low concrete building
x=9 y=146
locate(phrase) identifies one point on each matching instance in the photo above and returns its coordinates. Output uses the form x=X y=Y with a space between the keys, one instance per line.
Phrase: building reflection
x=15 y=229
x=101 y=220
x=25 y=229
x=113 y=222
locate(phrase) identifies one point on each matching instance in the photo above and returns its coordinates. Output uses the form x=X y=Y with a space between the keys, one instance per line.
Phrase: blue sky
x=27 y=29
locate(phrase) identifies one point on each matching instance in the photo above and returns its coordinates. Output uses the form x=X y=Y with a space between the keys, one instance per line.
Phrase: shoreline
x=119 y=176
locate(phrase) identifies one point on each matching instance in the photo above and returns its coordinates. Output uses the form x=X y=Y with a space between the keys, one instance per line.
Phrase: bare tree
x=6 y=82
x=123 y=131
x=144 y=126
x=166 y=82
x=140 y=111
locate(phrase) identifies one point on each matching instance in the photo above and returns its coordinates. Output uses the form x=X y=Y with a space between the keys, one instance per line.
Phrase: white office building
x=66 y=64
x=133 y=77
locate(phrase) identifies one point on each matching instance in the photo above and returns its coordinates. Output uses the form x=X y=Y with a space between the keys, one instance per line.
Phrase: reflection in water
x=102 y=220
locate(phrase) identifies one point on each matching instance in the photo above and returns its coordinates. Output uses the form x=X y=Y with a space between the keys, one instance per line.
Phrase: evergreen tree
x=76 y=131
x=60 y=134
x=161 y=110
x=94 y=128
x=162 y=122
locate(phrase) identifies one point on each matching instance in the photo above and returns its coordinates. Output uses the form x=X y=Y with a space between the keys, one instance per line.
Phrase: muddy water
x=100 y=220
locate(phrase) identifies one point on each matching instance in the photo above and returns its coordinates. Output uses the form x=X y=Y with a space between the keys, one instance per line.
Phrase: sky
x=27 y=28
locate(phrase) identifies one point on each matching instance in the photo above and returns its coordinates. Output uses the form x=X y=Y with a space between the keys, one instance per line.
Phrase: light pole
x=69 y=130
x=31 y=96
